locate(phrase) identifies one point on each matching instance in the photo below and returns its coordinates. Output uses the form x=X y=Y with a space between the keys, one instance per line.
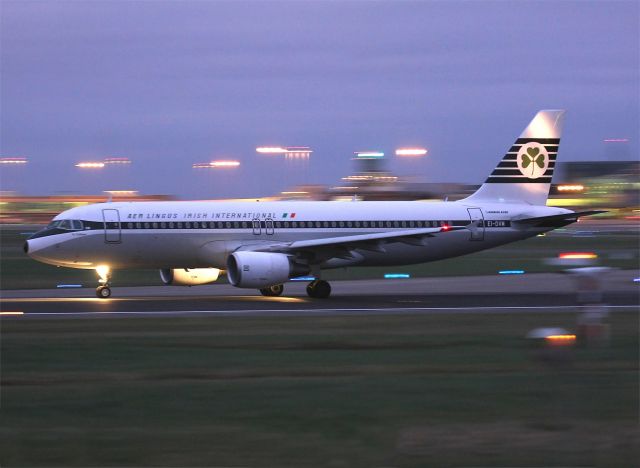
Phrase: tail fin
x=525 y=172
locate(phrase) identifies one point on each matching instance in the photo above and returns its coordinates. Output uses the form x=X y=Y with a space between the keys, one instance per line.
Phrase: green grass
x=439 y=390
x=18 y=271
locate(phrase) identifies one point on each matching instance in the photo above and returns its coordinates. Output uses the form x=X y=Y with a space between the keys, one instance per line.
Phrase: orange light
x=411 y=151
x=577 y=255
x=570 y=188
x=90 y=165
x=561 y=339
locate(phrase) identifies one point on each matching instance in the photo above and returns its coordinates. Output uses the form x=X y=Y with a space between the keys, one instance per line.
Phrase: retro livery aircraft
x=264 y=244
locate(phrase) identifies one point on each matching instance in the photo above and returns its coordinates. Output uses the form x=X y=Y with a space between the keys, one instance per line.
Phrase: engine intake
x=261 y=269
x=189 y=276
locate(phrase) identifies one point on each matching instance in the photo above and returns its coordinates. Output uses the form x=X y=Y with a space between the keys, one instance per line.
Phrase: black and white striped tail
x=524 y=174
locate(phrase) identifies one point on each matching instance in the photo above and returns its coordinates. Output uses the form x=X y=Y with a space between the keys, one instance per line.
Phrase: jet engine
x=189 y=276
x=261 y=269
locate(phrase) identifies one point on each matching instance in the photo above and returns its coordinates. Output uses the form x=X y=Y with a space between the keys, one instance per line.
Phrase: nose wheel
x=319 y=289
x=103 y=291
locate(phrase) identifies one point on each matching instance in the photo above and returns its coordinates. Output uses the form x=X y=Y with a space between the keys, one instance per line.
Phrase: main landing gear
x=275 y=290
x=319 y=289
x=103 y=291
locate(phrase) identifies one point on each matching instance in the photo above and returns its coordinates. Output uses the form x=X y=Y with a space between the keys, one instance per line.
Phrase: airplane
x=263 y=245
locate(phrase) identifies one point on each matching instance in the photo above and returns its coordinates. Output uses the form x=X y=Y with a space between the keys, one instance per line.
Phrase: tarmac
x=544 y=292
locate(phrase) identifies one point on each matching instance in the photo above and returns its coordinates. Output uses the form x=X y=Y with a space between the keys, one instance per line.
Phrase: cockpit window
x=77 y=225
x=65 y=224
x=53 y=224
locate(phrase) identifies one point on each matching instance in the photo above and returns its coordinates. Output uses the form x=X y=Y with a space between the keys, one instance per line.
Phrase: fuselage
x=202 y=234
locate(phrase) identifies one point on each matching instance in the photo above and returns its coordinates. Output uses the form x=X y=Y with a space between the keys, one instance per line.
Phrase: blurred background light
x=411 y=151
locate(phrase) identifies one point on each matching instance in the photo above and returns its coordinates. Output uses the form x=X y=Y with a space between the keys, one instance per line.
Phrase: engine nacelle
x=261 y=269
x=189 y=276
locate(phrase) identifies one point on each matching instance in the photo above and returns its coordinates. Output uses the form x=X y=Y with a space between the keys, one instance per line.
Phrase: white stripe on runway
x=337 y=311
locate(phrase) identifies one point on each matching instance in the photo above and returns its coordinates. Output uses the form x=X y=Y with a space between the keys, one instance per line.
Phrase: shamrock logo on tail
x=533 y=155
x=533 y=160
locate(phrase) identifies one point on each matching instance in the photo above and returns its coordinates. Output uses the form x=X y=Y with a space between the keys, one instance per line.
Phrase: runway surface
x=476 y=294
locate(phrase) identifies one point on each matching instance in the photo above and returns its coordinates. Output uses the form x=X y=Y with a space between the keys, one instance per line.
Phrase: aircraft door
x=255 y=224
x=477 y=224
x=112 y=231
x=268 y=227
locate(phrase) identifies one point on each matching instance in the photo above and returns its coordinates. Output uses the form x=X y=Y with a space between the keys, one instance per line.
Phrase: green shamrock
x=533 y=156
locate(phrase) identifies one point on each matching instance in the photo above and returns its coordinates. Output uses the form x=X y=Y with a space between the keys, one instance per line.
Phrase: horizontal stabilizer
x=556 y=220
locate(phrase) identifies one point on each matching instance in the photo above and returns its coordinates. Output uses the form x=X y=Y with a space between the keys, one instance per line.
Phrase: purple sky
x=168 y=84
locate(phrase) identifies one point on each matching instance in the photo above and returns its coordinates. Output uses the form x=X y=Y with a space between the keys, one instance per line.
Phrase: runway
x=545 y=293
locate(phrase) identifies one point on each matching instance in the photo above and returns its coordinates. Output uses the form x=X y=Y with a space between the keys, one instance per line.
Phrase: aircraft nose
x=25 y=247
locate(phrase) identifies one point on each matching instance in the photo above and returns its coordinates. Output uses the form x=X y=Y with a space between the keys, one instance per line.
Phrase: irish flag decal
x=288 y=215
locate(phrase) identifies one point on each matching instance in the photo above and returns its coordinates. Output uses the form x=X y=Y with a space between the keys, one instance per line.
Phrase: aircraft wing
x=341 y=246
x=555 y=220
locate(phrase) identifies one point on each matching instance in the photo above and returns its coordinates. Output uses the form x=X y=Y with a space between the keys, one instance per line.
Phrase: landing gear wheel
x=319 y=289
x=103 y=292
x=275 y=290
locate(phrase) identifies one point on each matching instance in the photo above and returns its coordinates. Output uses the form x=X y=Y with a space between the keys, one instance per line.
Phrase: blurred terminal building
x=610 y=185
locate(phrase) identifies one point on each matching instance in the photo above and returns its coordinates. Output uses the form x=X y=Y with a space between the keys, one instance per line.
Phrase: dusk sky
x=169 y=84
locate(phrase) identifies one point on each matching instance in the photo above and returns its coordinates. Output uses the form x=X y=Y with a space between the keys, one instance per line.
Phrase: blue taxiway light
x=303 y=278
x=69 y=286
x=396 y=275
x=511 y=272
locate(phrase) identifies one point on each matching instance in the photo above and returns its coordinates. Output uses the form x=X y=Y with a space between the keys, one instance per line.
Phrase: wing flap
x=373 y=242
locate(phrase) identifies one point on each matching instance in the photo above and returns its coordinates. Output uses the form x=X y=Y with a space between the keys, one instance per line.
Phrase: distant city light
x=397 y=275
x=18 y=160
x=121 y=192
x=369 y=154
x=223 y=163
x=294 y=193
x=577 y=255
x=90 y=165
x=298 y=152
x=201 y=165
x=411 y=151
x=370 y=178
x=271 y=150
x=616 y=140
x=570 y=188
x=117 y=161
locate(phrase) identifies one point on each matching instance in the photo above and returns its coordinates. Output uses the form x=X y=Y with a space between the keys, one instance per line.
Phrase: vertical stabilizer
x=525 y=172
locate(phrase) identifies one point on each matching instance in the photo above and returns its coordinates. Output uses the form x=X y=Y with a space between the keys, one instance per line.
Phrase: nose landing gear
x=103 y=291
